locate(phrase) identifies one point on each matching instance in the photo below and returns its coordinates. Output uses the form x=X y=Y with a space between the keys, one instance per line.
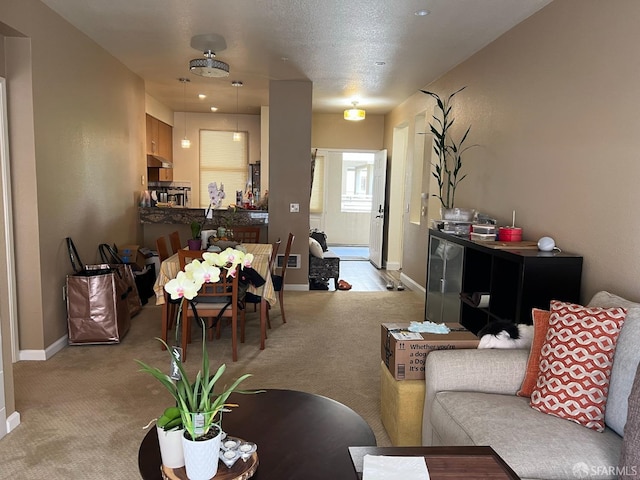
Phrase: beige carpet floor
x=83 y=411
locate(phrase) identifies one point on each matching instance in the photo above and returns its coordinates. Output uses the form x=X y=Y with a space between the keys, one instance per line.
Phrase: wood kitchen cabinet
x=515 y=280
x=159 y=138
x=160 y=143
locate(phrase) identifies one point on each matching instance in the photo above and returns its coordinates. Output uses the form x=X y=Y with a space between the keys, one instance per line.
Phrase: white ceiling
x=333 y=43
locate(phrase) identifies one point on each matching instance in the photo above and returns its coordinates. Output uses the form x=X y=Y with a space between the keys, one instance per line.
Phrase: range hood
x=156 y=161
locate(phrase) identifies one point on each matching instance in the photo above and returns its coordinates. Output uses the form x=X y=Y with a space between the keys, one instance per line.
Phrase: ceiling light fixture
x=209 y=66
x=422 y=13
x=202 y=96
x=236 y=135
x=354 y=114
x=185 y=143
x=214 y=109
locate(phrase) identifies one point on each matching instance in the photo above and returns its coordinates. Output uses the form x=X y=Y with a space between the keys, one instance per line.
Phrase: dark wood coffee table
x=446 y=463
x=299 y=435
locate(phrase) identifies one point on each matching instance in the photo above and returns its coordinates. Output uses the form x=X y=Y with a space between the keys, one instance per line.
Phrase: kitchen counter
x=184 y=216
x=157 y=222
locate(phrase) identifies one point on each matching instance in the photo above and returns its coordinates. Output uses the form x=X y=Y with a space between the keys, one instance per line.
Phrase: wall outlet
x=294 y=208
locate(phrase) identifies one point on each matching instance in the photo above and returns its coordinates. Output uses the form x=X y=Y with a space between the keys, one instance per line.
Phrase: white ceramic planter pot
x=201 y=457
x=171 y=447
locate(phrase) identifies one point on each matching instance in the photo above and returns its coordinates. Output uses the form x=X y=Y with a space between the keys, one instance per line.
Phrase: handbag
x=97 y=306
x=110 y=257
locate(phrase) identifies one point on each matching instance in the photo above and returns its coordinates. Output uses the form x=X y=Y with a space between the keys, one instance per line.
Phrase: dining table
x=261 y=252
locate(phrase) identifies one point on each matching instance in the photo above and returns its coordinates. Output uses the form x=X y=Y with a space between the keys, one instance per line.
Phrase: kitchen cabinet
x=160 y=174
x=160 y=143
x=159 y=138
x=513 y=280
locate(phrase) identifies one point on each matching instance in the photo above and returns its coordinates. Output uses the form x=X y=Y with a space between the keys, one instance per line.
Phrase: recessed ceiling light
x=214 y=109
x=380 y=64
x=202 y=96
x=422 y=13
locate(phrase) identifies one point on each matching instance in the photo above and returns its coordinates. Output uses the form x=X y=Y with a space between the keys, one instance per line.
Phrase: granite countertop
x=184 y=216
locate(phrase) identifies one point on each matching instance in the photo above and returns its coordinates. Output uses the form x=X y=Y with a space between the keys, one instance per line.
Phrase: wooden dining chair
x=214 y=300
x=174 y=239
x=246 y=234
x=251 y=298
x=163 y=251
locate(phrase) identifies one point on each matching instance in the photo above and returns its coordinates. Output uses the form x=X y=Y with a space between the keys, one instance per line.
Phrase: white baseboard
x=392 y=266
x=297 y=287
x=13 y=421
x=41 y=355
x=408 y=282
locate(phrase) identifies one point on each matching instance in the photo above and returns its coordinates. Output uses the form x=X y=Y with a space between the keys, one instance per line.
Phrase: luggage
x=97 y=302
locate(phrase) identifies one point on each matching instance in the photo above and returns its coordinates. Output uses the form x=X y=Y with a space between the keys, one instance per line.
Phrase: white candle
x=513 y=219
x=229 y=454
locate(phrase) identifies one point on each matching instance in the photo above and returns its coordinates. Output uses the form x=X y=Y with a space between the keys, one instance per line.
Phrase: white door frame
x=7 y=220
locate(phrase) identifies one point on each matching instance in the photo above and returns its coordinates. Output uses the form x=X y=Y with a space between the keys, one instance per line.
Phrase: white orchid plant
x=188 y=282
x=199 y=407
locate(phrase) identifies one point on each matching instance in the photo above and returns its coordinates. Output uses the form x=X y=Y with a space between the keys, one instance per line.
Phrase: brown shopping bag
x=110 y=257
x=97 y=308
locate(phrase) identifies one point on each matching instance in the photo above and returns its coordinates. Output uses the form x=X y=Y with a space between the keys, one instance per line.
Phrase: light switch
x=294 y=208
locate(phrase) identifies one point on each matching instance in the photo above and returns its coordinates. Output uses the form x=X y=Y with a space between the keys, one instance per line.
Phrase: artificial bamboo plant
x=447 y=168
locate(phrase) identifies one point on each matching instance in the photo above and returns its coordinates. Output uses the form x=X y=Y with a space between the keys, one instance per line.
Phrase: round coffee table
x=299 y=435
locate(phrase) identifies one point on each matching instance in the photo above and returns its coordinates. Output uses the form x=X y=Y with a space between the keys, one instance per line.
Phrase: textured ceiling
x=333 y=43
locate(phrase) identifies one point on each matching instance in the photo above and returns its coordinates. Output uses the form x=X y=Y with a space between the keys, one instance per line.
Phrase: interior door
x=378 y=203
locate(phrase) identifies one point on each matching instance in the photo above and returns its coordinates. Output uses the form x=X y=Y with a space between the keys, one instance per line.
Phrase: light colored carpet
x=82 y=411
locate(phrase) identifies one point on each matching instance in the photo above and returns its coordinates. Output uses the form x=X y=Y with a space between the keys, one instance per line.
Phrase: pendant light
x=236 y=135
x=354 y=114
x=185 y=143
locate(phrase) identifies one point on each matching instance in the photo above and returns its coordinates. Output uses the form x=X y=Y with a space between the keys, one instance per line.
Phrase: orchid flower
x=203 y=272
x=182 y=286
x=247 y=260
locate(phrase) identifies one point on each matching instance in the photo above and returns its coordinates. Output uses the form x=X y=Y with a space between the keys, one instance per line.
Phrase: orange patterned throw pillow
x=575 y=363
x=540 y=327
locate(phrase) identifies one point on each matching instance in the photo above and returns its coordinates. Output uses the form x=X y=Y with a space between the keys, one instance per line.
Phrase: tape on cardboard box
x=404 y=352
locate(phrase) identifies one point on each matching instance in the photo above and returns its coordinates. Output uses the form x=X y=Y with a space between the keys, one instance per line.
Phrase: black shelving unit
x=515 y=280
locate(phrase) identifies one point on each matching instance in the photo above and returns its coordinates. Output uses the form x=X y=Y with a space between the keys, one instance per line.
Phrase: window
x=224 y=161
x=357 y=182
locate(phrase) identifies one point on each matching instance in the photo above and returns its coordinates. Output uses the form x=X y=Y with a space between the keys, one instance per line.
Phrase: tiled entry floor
x=361 y=274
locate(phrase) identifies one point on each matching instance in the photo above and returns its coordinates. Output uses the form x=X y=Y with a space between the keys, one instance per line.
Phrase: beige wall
x=289 y=166
x=552 y=104
x=186 y=162
x=330 y=130
x=76 y=127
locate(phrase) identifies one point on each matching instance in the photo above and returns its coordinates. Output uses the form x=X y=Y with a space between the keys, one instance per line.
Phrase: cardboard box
x=132 y=254
x=404 y=352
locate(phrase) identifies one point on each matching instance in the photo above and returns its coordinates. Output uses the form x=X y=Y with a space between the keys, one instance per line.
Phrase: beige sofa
x=470 y=399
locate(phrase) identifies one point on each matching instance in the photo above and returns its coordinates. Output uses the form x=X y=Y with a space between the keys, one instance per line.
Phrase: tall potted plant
x=200 y=407
x=446 y=169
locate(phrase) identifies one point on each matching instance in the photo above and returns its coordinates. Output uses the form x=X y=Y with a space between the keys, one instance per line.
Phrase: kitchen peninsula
x=157 y=222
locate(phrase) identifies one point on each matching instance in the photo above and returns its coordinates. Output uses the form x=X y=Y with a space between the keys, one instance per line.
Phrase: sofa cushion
x=625 y=360
x=314 y=248
x=575 y=364
x=540 y=327
x=630 y=456
x=534 y=444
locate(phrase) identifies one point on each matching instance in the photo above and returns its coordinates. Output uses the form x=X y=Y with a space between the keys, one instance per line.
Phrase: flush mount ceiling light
x=185 y=143
x=354 y=114
x=209 y=66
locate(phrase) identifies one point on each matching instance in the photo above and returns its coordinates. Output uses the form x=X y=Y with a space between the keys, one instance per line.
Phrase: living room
x=550 y=104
